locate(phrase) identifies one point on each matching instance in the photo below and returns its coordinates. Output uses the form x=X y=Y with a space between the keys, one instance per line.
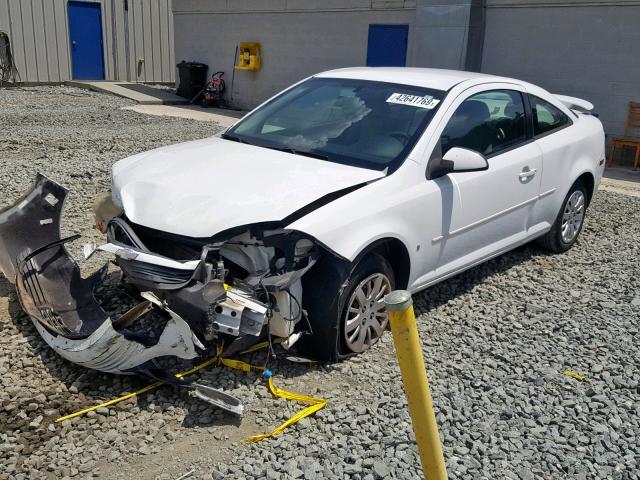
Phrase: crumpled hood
x=200 y=188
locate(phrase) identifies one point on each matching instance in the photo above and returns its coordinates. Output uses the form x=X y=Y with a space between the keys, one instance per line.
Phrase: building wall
x=39 y=35
x=582 y=48
x=449 y=34
x=298 y=38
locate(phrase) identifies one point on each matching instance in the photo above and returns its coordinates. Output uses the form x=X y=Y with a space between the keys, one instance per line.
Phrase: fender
x=350 y=224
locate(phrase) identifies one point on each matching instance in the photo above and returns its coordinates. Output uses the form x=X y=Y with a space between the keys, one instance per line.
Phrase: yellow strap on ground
x=315 y=405
x=261 y=345
x=574 y=375
x=217 y=360
x=110 y=402
x=240 y=365
x=153 y=386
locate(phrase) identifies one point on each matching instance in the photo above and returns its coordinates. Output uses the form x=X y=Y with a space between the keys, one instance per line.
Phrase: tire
x=329 y=313
x=569 y=222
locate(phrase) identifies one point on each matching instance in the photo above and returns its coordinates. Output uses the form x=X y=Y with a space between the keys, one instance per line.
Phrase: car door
x=558 y=157
x=487 y=212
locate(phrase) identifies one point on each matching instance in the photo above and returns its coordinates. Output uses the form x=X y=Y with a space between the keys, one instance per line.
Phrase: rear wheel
x=568 y=223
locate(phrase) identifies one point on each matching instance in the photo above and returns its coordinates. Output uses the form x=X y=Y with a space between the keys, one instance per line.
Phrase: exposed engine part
x=211 y=307
x=245 y=252
x=288 y=312
x=238 y=314
x=291 y=340
x=266 y=264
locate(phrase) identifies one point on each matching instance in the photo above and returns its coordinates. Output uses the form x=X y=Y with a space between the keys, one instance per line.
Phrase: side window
x=487 y=122
x=546 y=117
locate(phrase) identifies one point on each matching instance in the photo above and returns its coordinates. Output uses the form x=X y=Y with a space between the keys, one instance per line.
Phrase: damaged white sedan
x=297 y=220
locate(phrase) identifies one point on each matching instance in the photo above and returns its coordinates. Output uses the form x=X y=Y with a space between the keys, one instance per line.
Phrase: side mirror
x=455 y=160
x=465 y=160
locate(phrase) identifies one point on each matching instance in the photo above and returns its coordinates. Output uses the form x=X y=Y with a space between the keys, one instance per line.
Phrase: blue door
x=387 y=45
x=85 y=35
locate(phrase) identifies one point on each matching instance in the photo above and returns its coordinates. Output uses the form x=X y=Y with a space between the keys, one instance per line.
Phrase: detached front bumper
x=65 y=312
x=61 y=303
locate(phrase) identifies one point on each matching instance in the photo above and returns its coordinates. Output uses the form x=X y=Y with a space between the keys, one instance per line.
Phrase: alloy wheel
x=573 y=216
x=365 y=318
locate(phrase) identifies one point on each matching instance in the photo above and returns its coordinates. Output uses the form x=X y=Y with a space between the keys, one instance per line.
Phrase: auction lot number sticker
x=427 y=101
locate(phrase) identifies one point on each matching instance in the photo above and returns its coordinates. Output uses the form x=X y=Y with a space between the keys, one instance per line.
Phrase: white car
x=301 y=217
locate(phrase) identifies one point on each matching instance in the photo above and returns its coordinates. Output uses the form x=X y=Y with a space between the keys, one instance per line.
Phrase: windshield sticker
x=427 y=101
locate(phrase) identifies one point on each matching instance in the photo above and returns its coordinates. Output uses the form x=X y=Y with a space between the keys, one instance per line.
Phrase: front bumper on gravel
x=64 y=310
x=60 y=302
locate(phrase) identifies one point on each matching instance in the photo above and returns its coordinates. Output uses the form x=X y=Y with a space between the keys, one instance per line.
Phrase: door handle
x=527 y=173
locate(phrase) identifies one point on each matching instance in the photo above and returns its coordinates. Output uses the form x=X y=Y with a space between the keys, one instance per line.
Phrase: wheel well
x=588 y=181
x=394 y=252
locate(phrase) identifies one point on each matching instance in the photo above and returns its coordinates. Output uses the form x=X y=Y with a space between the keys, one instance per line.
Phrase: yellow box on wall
x=248 y=56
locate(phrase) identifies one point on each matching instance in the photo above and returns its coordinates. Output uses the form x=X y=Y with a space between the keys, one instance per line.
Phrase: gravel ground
x=497 y=340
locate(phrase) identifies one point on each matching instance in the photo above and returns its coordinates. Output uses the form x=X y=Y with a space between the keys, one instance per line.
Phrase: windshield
x=356 y=122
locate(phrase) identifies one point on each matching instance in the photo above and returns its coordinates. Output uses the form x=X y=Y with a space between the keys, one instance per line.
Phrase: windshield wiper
x=319 y=156
x=304 y=153
x=233 y=138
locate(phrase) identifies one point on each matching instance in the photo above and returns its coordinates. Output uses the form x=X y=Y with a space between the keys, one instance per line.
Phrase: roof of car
x=435 y=78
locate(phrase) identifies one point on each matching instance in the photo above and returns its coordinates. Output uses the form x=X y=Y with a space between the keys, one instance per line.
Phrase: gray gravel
x=497 y=340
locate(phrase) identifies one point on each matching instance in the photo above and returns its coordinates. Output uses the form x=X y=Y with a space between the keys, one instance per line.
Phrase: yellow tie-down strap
x=315 y=404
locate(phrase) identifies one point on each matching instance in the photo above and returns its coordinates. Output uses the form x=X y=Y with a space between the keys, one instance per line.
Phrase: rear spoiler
x=576 y=104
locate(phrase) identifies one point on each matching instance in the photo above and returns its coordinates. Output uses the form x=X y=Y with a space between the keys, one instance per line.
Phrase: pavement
x=159 y=101
x=223 y=117
x=140 y=93
x=621 y=180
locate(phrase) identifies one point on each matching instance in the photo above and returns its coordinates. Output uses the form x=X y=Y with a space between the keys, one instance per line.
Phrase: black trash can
x=191 y=78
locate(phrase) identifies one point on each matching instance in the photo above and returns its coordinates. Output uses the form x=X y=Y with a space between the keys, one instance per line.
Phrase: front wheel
x=364 y=319
x=568 y=223
x=352 y=319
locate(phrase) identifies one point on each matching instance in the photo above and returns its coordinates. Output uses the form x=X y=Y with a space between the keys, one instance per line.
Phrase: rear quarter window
x=546 y=117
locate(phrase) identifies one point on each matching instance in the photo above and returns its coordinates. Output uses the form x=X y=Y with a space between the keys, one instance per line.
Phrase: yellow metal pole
x=416 y=384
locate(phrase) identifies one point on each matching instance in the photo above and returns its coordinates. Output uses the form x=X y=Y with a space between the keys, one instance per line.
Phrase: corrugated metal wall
x=137 y=39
